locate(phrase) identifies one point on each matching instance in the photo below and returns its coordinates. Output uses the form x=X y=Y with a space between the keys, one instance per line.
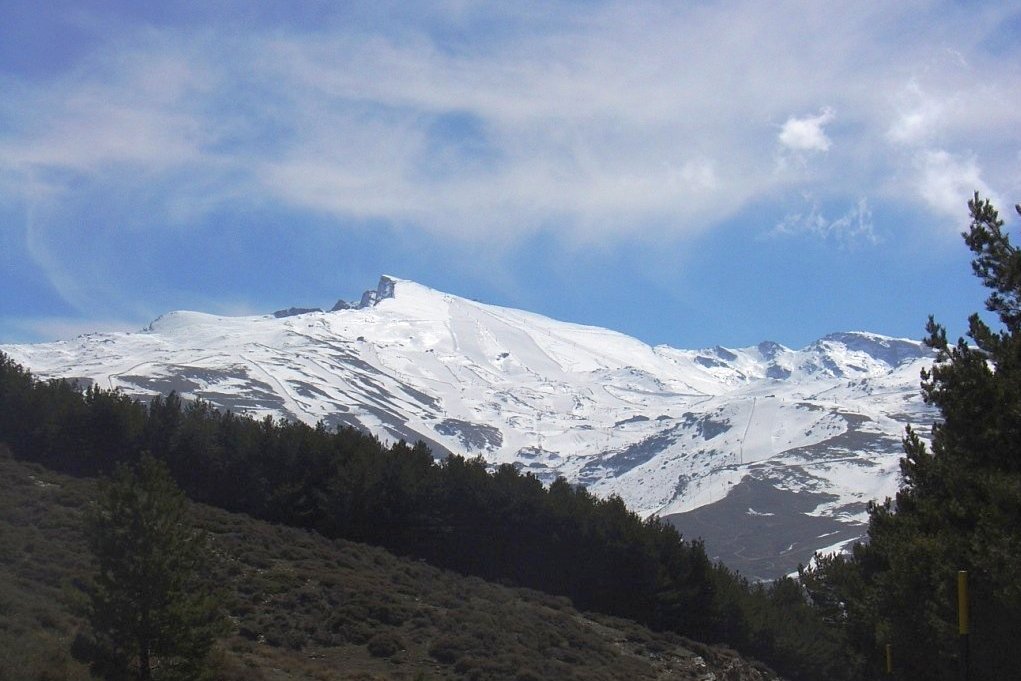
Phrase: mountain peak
x=891 y=351
x=384 y=289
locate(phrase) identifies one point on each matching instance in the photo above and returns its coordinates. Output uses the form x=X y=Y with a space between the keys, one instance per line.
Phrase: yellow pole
x=962 y=602
x=962 y=620
x=889 y=658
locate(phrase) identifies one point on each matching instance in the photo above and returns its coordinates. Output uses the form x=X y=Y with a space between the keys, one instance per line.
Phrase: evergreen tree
x=151 y=615
x=959 y=507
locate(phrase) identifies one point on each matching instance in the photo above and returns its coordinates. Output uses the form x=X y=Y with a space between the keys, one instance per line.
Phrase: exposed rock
x=294 y=311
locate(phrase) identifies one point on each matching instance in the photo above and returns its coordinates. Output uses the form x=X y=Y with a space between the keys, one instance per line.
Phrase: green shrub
x=449 y=649
x=385 y=644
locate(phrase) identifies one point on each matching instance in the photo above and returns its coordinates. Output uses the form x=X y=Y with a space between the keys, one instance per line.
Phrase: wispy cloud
x=488 y=125
x=918 y=117
x=940 y=124
x=946 y=181
x=852 y=229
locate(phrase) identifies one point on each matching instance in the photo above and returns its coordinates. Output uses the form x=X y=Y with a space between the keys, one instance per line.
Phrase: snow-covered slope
x=760 y=450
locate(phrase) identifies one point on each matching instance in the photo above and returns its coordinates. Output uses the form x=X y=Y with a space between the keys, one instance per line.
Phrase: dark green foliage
x=151 y=613
x=498 y=524
x=960 y=504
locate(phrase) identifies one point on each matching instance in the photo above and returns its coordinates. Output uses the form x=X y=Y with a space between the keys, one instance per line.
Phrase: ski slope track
x=767 y=453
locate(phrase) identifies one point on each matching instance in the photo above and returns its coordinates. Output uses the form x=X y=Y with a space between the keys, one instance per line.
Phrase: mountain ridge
x=671 y=431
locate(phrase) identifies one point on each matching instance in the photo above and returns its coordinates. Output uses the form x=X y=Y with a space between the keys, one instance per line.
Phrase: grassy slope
x=308 y=608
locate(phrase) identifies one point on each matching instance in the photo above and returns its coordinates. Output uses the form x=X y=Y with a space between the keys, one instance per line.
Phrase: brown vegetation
x=306 y=607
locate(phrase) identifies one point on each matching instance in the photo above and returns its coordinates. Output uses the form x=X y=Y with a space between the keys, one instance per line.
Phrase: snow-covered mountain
x=766 y=452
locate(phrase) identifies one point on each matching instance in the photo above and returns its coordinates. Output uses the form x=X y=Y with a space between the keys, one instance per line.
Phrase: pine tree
x=959 y=507
x=150 y=612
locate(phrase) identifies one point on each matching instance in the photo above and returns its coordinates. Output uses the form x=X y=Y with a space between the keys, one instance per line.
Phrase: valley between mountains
x=767 y=453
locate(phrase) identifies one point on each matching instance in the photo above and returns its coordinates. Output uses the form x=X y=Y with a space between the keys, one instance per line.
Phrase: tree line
x=457 y=513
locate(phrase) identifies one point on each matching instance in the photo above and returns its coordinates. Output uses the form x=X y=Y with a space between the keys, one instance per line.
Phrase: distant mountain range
x=768 y=453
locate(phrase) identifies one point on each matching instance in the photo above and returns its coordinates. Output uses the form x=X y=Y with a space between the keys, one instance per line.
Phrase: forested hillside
x=455 y=514
x=306 y=608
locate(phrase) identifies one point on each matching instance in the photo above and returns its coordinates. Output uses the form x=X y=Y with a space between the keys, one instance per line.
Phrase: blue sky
x=689 y=173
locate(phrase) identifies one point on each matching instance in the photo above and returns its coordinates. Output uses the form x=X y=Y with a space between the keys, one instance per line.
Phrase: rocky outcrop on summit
x=295 y=311
x=385 y=289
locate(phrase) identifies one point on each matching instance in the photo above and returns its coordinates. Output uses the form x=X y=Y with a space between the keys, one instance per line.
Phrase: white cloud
x=139 y=111
x=807 y=134
x=948 y=134
x=946 y=182
x=628 y=120
x=918 y=118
